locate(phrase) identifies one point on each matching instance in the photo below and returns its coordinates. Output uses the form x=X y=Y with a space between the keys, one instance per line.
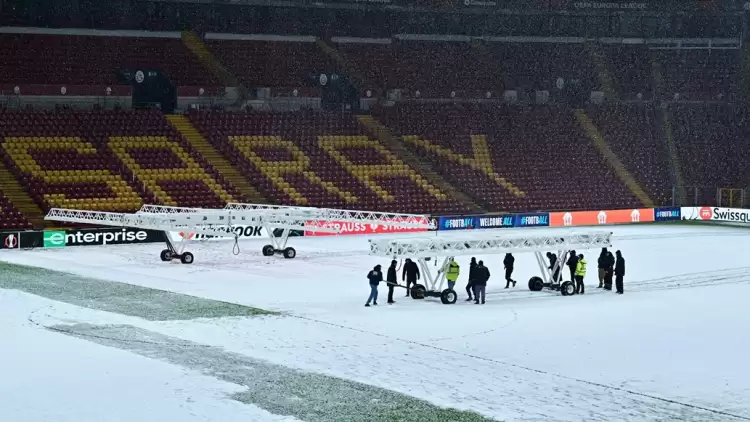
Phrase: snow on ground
x=672 y=345
x=50 y=377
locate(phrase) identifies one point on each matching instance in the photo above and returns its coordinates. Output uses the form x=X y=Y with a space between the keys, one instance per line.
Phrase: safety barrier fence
x=121 y=236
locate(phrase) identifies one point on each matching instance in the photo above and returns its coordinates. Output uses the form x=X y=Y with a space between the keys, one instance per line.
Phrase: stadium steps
x=384 y=135
x=200 y=50
x=600 y=61
x=744 y=79
x=666 y=126
x=666 y=121
x=215 y=159
x=341 y=62
x=13 y=190
x=601 y=144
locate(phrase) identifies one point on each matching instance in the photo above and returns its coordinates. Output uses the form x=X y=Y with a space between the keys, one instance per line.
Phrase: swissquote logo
x=11 y=241
x=705 y=213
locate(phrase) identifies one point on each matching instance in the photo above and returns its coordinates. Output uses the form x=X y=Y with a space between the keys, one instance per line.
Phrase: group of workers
x=608 y=266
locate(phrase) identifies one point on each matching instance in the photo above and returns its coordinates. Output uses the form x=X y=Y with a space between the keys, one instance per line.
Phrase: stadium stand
x=273 y=64
x=508 y=158
x=43 y=59
x=106 y=160
x=633 y=135
x=320 y=159
x=712 y=143
x=699 y=74
x=11 y=218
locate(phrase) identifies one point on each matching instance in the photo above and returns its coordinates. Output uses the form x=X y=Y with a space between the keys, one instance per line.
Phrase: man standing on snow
x=580 y=274
x=552 y=262
x=472 y=277
x=480 y=284
x=572 y=264
x=375 y=277
x=451 y=274
x=508 y=263
x=602 y=264
x=392 y=281
x=619 y=273
x=410 y=274
x=609 y=271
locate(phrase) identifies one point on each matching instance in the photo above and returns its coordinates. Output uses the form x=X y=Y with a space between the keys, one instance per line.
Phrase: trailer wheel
x=536 y=284
x=448 y=297
x=289 y=253
x=418 y=291
x=166 y=255
x=187 y=258
x=568 y=288
x=267 y=250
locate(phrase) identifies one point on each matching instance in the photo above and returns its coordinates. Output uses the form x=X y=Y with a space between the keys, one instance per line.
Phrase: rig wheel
x=448 y=297
x=268 y=250
x=418 y=291
x=289 y=253
x=568 y=288
x=536 y=284
x=166 y=255
x=187 y=258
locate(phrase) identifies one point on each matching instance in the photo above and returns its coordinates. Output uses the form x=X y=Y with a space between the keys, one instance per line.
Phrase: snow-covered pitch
x=674 y=347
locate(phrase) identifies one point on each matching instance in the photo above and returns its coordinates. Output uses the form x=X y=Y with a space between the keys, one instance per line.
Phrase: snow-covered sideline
x=674 y=344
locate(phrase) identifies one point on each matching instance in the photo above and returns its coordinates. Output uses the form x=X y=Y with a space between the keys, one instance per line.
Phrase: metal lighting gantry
x=222 y=222
x=218 y=223
x=488 y=243
x=315 y=218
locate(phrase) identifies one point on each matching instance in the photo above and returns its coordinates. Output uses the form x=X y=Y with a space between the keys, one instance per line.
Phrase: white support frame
x=219 y=222
x=212 y=222
x=487 y=243
x=332 y=215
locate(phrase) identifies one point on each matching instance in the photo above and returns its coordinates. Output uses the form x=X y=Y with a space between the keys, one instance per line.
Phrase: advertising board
x=103 y=236
x=667 y=214
x=696 y=213
x=10 y=240
x=602 y=217
x=729 y=215
x=493 y=221
x=359 y=228
x=243 y=231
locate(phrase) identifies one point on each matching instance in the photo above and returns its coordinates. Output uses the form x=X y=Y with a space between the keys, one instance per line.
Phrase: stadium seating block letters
x=482 y=160
x=159 y=149
x=92 y=187
x=275 y=170
x=390 y=165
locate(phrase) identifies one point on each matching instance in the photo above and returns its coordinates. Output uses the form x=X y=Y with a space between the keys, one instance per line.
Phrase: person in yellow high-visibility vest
x=580 y=274
x=451 y=274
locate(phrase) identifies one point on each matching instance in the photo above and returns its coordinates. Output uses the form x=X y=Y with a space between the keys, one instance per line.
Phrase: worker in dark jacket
x=392 y=281
x=572 y=265
x=619 y=273
x=552 y=262
x=410 y=274
x=480 y=283
x=472 y=276
x=602 y=266
x=508 y=263
x=375 y=276
x=609 y=271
